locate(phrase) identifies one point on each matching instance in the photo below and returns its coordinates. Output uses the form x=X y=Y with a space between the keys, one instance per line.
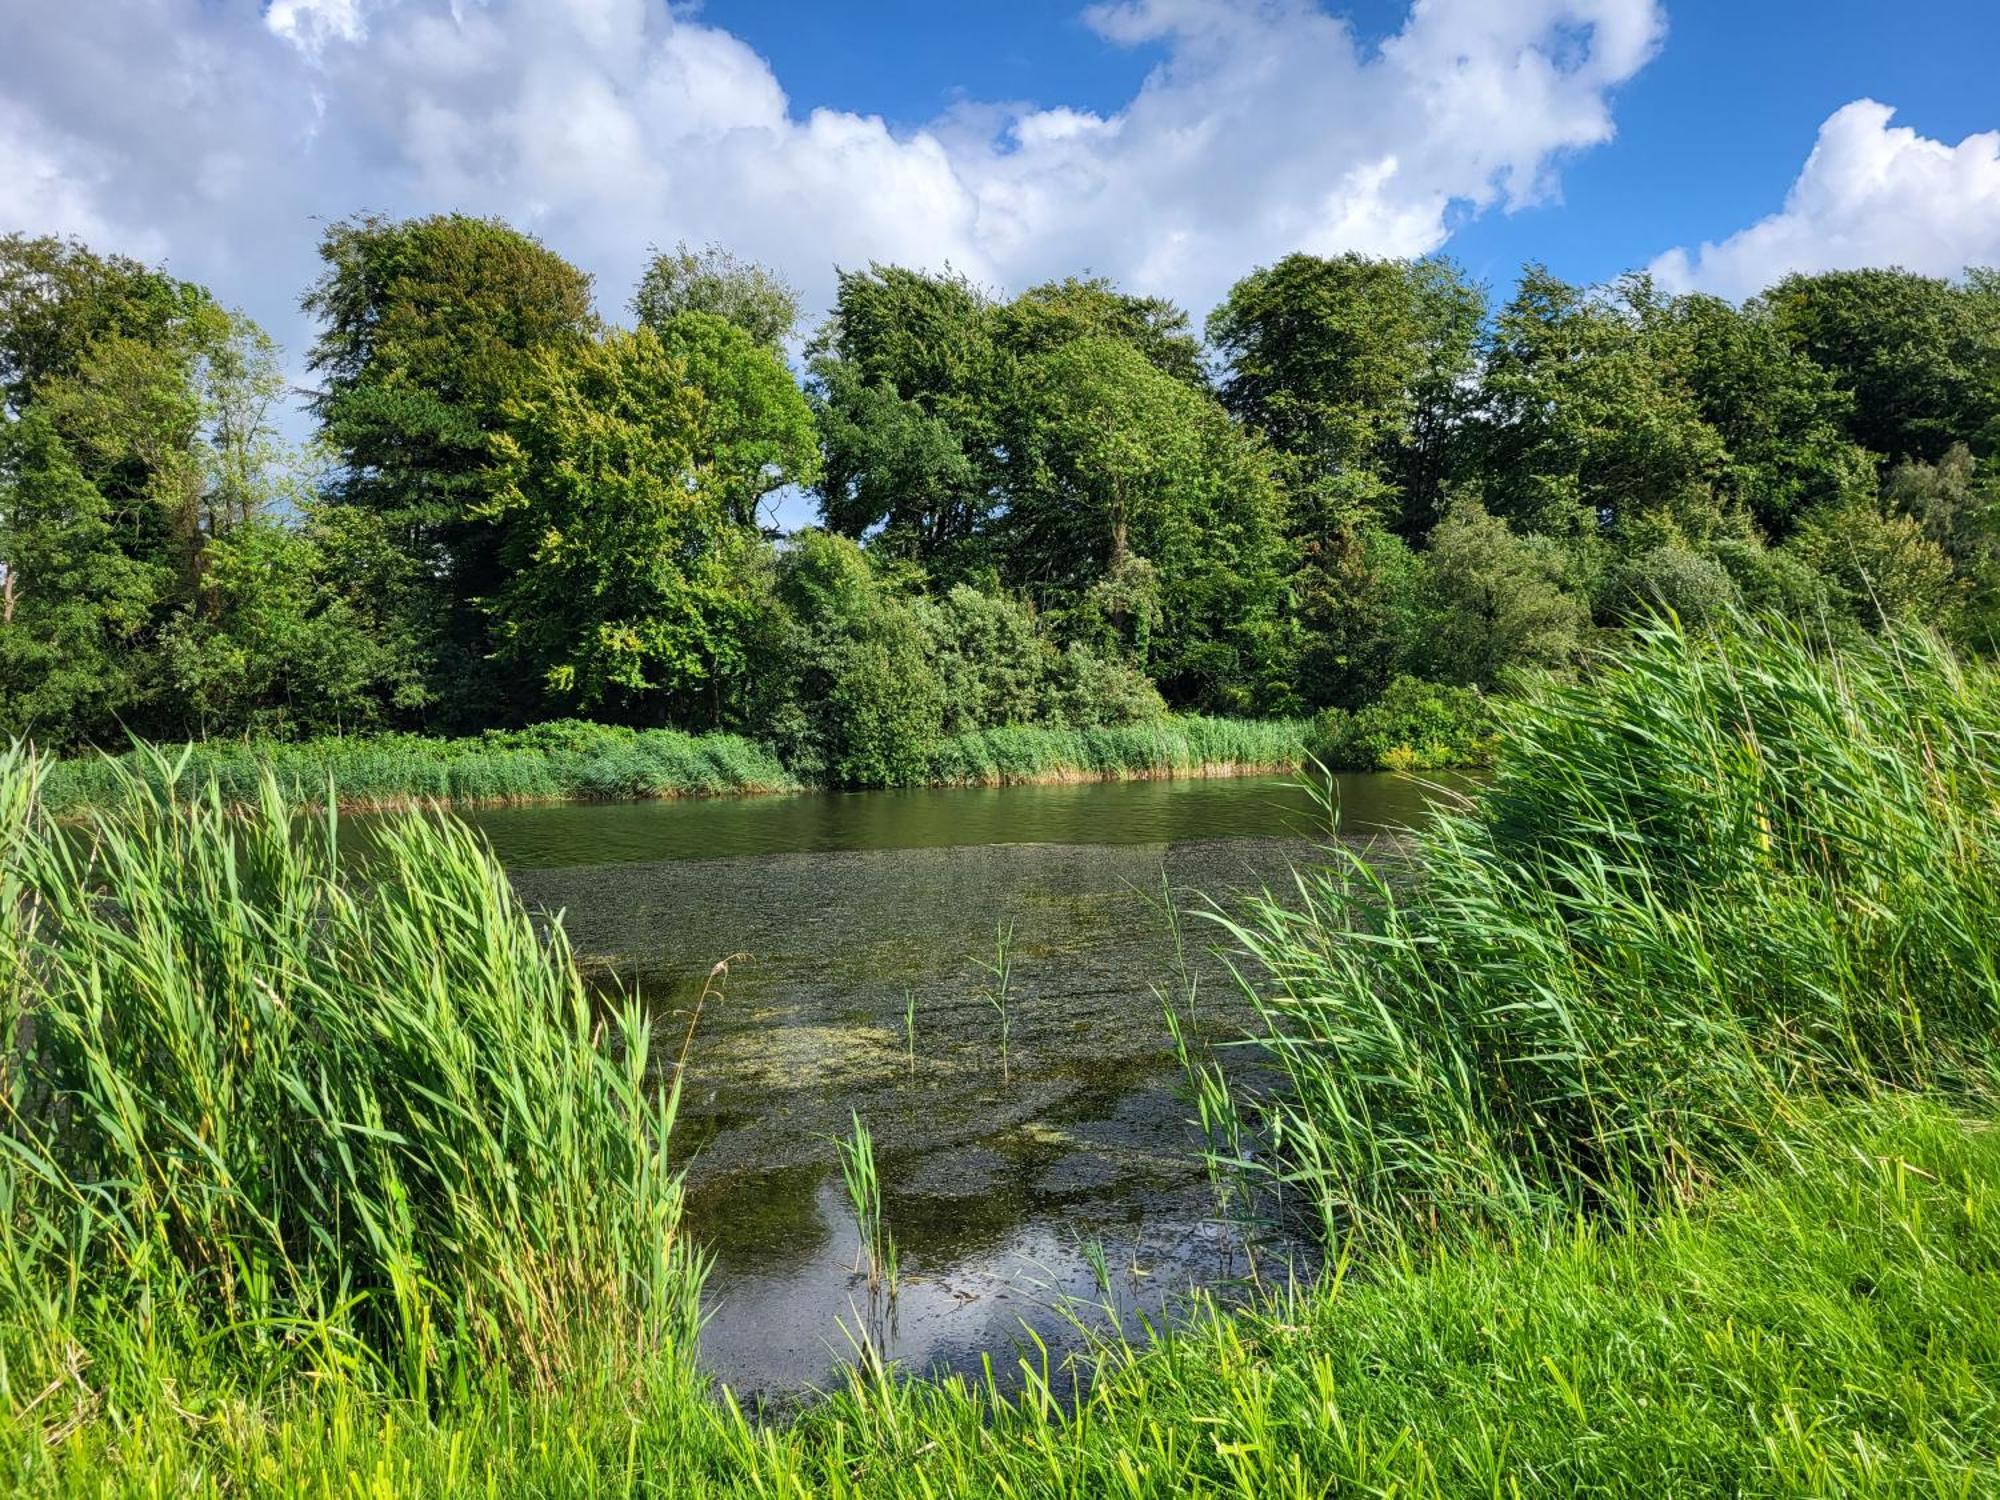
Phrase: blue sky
x=1170 y=144
x=1711 y=132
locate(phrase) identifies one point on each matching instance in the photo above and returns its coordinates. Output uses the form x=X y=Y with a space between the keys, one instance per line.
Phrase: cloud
x=1870 y=194
x=222 y=133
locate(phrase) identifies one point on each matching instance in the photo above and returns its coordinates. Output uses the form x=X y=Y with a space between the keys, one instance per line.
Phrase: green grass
x=1189 y=746
x=1648 y=1117
x=1708 y=879
x=565 y=761
x=371 y=1131
x=572 y=761
x=1825 y=1327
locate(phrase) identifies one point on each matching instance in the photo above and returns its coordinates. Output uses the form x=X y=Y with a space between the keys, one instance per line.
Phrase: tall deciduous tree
x=428 y=327
x=1137 y=507
x=713 y=281
x=623 y=590
x=1919 y=355
x=909 y=386
x=1588 y=428
x=758 y=429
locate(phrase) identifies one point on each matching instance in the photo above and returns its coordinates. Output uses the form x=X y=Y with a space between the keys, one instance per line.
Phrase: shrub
x=1413 y=726
x=1692 y=586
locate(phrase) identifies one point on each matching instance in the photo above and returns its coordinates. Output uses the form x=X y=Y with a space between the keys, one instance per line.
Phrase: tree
x=713 y=281
x=1139 y=514
x=861 y=701
x=1919 y=355
x=623 y=562
x=57 y=297
x=175 y=430
x=1046 y=317
x=1586 y=426
x=1883 y=566
x=429 y=327
x=287 y=643
x=1497 y=603
x=1781 y=419
x=1319 y=355
x=758 y=433
x=909 y=387
x=75 y=606
x=1357 y=598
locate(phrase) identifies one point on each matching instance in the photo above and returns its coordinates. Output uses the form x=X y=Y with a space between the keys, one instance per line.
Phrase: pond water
x=1010 y=1189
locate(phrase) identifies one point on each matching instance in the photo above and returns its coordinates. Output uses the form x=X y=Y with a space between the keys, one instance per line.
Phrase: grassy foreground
x=1651 y=1127
x=580 y=762
x=1828 y=1326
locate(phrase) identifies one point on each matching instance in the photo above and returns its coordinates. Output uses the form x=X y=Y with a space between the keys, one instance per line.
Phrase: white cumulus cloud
x=221 y=134
x=1870 y=194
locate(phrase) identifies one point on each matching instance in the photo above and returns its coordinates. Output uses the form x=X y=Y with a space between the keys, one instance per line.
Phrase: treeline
x=1065 y=509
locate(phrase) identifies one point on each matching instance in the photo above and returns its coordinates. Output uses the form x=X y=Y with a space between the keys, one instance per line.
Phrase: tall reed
x=863 y=1181
x=1709 y=877
x=365 y=1124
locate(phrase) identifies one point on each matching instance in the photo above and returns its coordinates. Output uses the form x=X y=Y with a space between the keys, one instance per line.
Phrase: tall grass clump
x=1184 y=746
x=361 y=1126
x=561 y=761
x=1710 y=877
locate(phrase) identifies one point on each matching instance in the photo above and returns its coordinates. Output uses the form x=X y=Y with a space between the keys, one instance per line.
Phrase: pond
x=1010 y=1185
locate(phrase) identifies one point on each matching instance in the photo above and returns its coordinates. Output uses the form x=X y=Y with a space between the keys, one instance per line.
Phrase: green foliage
x=1694 y=587
x=862 y=700
x=992 y=659
x=428 y=328
x=1143 y=518
x=281 y=641
x=1411 y=726
x=1881 y=566
x=1846 y=1285
x=1707 y=878
x=757 y=430
x=1587 y=426
x=1496 y=604
x=908 y=386
x=1188 y=745
x=1046 y=317
x=1352 y=366
x=365 y=1130
x=558 y=760
x=1917 y=354
x=1780 y=417
x=1359 y=595
x=713 y=282
x=76 y=608
x=623 y=560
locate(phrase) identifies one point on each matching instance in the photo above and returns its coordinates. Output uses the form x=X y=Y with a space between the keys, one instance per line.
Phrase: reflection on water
x=1000 y=1192
x=1129 y=812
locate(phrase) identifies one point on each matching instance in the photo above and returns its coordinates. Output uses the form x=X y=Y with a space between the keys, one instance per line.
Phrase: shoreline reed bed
x=580 y=762
x=558 y=762
x=1708 y=879
x=368 y=1130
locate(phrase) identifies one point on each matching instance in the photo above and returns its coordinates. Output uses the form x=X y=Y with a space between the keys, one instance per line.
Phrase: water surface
x=1010 y=1187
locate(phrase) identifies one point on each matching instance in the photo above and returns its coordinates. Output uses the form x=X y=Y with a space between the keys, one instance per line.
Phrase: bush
x=1413 y=726
x=1691 y=586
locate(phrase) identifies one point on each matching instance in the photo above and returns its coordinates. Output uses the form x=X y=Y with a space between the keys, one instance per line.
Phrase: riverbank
x=1825 y=1326
x=579 y=762
x=1650 y=1135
